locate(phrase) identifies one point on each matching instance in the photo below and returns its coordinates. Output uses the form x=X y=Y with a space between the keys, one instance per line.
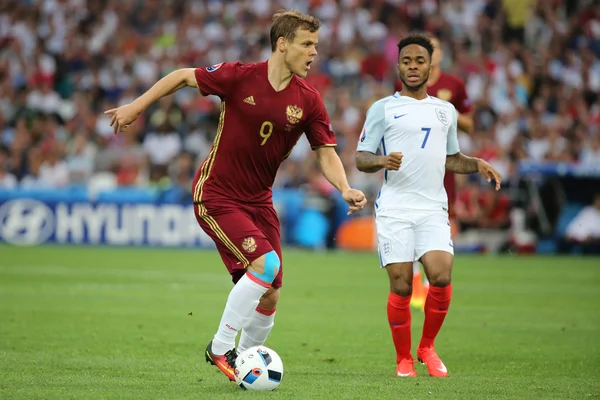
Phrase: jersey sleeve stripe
x=385 y=172
x=208 y=163
x=203 y=213
x=324 y=145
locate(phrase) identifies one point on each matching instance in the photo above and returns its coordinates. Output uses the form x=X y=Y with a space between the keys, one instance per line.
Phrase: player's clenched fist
x=392 y=161
x=123 y=116
x=355 y=199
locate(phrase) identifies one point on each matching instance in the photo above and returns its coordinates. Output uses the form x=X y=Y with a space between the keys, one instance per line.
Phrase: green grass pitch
x=110 y=323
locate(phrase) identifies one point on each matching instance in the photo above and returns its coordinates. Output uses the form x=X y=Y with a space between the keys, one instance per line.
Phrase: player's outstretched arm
x=334 y=172
x=369 y=162
x=461 y=164
x=123 y=116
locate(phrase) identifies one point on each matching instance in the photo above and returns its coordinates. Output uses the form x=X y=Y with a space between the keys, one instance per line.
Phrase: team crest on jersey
x=363 y=135
x=213 y=68
x=442 y=116
x=249 y=244
x=294 y=114
x=444 y=94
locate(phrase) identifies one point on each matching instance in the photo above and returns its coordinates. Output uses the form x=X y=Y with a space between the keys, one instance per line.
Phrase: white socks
x=241 y=304
x=258 y=329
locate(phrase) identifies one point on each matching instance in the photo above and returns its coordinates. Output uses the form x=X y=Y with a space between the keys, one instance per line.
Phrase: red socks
x=399 y=317
x=436 y=308
x=398 y=311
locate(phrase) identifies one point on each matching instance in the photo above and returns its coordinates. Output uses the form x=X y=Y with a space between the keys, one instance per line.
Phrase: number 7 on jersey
x=426 y=130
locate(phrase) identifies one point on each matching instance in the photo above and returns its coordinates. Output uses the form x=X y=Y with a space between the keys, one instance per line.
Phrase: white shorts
x=407 y=235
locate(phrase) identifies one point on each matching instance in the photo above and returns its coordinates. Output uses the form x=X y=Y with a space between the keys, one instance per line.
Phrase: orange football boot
x=435 y=366
x=226 y=362
x=406 y=368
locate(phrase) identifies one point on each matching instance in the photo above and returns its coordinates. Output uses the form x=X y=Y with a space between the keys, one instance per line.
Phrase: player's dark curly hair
x=285 y=24
x=418 y=39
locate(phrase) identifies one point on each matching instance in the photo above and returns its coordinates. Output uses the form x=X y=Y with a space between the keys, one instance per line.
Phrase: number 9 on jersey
x=266 y=130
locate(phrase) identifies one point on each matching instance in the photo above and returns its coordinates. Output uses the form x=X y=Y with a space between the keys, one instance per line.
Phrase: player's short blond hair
x=286 y=23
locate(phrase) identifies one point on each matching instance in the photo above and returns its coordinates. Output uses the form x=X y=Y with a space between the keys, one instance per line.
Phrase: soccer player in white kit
x=417 y=137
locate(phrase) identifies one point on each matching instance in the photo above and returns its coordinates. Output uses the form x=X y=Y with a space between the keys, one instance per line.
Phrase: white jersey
x=425 y=132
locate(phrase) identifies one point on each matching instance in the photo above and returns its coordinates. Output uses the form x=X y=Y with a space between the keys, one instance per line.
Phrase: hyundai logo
x=26 y=222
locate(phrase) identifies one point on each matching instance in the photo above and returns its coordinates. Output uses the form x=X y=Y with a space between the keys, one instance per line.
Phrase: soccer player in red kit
x=265 y=108
x=452 y=89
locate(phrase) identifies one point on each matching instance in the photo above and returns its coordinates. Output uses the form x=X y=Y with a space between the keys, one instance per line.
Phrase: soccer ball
x=258 y=368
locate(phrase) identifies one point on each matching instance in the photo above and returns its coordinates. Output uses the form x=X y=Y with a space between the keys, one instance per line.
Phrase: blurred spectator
x=183 y=171
x=80 y=159
x=494 y=209
x=33 y=179
x=7 y=180
x=590 y=155
x=584 y=230
x=163 y=144
x=468 y=210
x=43 y=98
x=53 y=170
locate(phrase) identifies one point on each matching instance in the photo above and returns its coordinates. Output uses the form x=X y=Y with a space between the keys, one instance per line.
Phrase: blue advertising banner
x=28 y=222
x=141 y=217
x=560 y=169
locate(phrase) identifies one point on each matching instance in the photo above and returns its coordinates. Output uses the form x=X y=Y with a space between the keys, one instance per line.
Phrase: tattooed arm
x=369 y=162
x=461 y=164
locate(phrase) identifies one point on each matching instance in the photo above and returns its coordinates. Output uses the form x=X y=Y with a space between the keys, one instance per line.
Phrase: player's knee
x=401 y=290
x=401 y=286
x=400 y=275
x=440 y=278
x=268 y=269
x=438 y=267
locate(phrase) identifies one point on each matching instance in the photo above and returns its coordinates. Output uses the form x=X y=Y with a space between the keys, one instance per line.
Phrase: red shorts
x=242 y=233
x=450 y=185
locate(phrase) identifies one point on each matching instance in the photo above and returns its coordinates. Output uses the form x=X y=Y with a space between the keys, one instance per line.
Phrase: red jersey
x=258 y=128
x=448 y=88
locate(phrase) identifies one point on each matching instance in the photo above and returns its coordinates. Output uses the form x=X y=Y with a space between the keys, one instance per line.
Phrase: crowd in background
x=532 y=71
